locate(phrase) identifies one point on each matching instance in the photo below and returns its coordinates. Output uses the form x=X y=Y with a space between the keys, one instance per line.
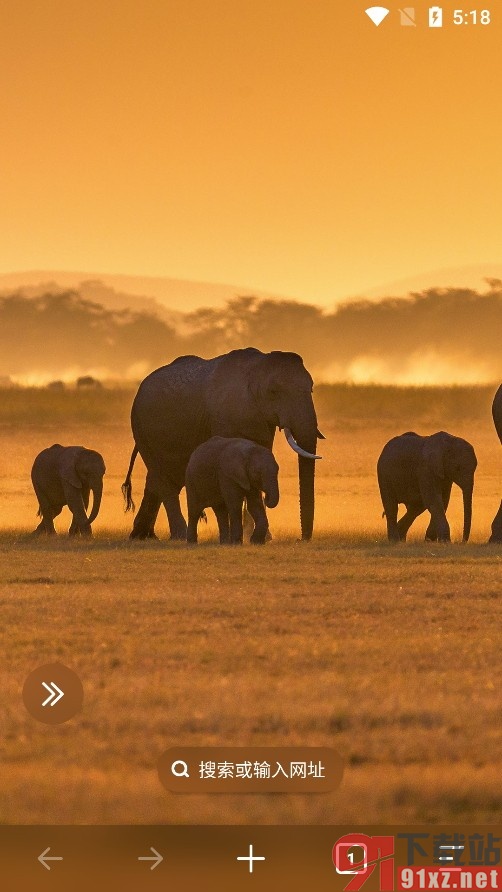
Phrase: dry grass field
x=390 y=654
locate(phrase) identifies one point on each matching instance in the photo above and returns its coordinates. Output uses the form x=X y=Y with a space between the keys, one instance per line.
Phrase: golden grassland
x=390 y=654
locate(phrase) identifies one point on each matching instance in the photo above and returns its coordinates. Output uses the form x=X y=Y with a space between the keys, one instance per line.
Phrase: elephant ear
x=235 y=466
x=433 y=455
x=67 y=467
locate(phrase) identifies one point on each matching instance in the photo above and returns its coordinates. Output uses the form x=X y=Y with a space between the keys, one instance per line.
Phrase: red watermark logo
x=359 y=855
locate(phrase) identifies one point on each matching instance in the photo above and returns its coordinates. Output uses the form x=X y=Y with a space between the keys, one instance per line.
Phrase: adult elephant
x=244 y=393
x=419 y=472
x=496 y=535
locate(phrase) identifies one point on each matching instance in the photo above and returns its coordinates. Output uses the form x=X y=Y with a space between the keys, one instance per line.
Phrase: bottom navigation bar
x=190 y=858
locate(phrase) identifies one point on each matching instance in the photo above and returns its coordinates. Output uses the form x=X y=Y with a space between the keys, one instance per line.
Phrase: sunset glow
x=289 y=146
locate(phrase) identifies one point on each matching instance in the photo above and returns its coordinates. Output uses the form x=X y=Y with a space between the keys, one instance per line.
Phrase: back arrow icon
x=43 y=858
x=157 y=858
x=52 y=693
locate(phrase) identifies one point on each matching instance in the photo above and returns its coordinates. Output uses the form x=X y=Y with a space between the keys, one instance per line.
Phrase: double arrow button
x=53 y=694
x=53 y=690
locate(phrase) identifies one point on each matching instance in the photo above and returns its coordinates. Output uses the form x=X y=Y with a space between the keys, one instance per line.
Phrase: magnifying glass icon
x=184 y=769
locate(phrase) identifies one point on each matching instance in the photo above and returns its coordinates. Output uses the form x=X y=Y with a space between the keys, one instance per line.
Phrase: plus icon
x=251 y=858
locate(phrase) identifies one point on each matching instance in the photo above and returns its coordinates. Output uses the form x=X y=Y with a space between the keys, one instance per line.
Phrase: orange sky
x=287 y=145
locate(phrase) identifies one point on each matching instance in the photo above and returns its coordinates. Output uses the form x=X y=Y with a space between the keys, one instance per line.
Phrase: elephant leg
x=48 y=512
x=80 y=524
x=249 y=525
x=438 y=520
x=236 y=527
x=431 y=534
x=193 y=520
x=233 y=496
x=177 y=523
x=40 y=529
x=144 y=522
x=45 y=526
x=412 y=512
x=194 y=515
x=256 y=509
x=496 y=535
x=222 y=518
x=74 y=526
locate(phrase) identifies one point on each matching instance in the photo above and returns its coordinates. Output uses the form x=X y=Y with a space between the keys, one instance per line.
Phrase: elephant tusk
x=296 y=448
x=319 y=435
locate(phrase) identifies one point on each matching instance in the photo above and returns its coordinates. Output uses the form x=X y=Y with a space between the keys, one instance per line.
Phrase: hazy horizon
x=437 y=336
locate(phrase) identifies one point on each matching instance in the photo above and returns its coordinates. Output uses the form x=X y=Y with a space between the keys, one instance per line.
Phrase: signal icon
x=377 y=14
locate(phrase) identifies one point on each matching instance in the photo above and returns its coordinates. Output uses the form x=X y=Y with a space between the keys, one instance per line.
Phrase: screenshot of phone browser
x=250 y=446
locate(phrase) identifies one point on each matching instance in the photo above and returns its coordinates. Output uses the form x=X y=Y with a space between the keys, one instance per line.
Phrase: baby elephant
x=419 y=472
x=221 y=473
x=65 y=475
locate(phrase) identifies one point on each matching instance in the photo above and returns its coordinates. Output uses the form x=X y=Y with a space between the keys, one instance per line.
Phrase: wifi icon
x=377 y=14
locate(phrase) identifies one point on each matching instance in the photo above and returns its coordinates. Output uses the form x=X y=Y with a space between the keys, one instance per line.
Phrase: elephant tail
x=127 y=485
x=39 y=512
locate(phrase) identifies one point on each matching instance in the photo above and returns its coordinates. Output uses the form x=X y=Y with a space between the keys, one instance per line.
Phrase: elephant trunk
x=467 y=493
x=306 y=472
x=271 y=493
x=302 y=433
x=97 y=492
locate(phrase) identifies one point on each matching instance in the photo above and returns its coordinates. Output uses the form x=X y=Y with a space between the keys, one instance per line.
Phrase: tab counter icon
x=435 y=17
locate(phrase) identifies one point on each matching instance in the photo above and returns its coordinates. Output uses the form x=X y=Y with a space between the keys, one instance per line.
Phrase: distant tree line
x=55 y=332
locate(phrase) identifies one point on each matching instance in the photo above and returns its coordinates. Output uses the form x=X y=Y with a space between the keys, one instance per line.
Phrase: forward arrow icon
x=53 y=690
x=157 y=858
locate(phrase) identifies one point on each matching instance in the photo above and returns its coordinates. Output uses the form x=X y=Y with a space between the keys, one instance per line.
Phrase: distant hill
x=147 y=293
x=170 y=298
x=471 y=276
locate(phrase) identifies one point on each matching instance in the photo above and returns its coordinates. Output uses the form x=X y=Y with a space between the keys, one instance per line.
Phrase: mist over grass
x=438 y=336
x=354 y=403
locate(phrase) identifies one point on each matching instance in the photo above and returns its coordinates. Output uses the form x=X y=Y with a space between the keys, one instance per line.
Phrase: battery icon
x=435 y=17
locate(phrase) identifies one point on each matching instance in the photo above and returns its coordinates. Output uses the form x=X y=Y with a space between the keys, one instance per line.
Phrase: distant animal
x=88 y=382
x=419 y=472
x=496 y=535
x=56 y=385
x=66 y=475
x=221 y=474
x=244 y=393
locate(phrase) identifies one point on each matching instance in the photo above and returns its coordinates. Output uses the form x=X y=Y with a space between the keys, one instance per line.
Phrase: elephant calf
x=66 y=475
x=419 y=472
x=221 y=474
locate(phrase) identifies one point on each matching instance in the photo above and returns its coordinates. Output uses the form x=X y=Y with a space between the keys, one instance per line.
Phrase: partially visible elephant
x=66 y=475
x=221 y=474
x=419 y=472
x=244 y=393
x=496 y=535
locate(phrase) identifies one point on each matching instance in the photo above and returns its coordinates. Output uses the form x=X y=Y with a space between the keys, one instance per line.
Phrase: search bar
x=252 y=769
